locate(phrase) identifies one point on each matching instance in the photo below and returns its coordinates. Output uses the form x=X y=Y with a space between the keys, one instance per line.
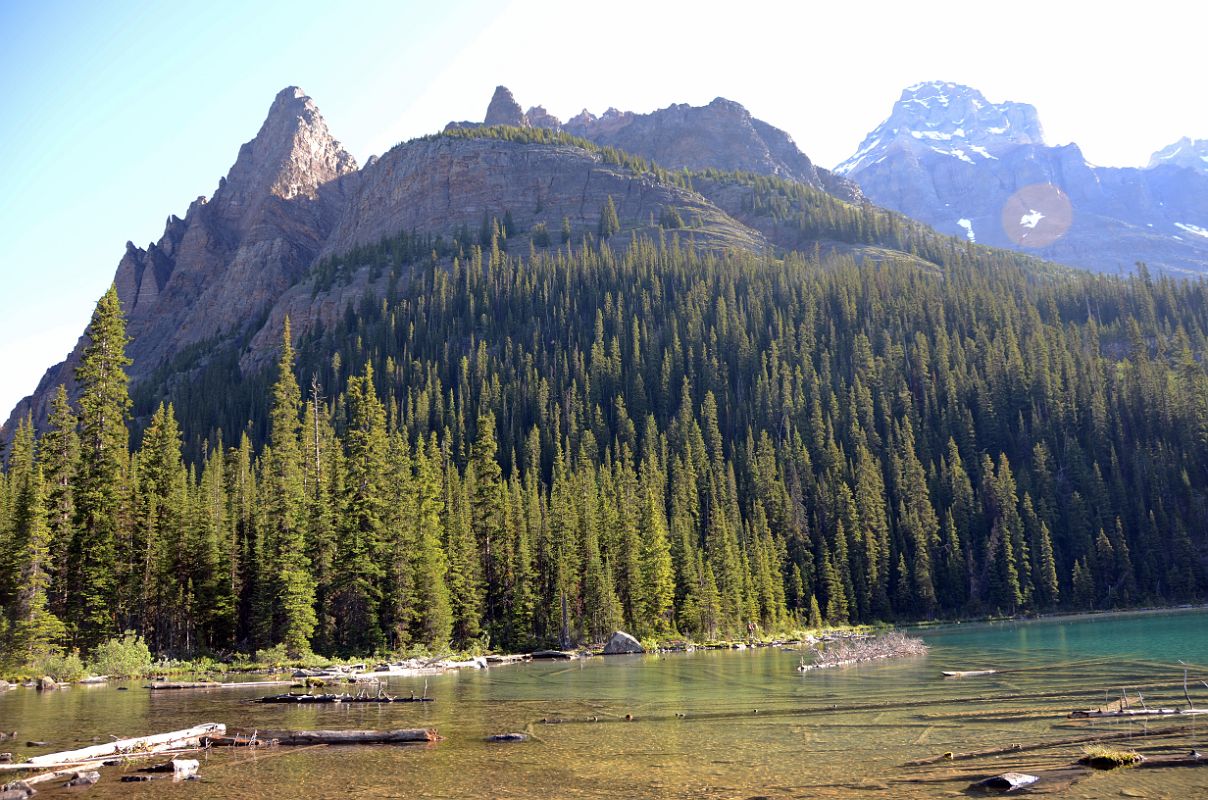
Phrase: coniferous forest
x=538 y=449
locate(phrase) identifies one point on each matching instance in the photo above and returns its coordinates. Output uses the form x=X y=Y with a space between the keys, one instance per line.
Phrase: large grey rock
x=17 y=790
x=621 y=643
x=1006 y=782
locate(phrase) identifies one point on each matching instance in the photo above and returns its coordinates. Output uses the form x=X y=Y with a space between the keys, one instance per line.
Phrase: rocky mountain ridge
x=222 y=278
x=721 y=135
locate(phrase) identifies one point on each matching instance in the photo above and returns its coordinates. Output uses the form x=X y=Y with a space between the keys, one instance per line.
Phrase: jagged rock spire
x=504 y=110
x=293 y=154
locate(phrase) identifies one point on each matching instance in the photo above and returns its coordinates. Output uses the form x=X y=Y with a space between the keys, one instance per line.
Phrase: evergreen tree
x=60 y=456
x=356 y=593
x=284 y=562
x=609 y=224
x=104 y=441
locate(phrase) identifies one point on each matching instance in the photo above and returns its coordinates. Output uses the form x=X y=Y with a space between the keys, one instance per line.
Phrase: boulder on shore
x=1006 y=782
x=46 y=683
x=621 y=643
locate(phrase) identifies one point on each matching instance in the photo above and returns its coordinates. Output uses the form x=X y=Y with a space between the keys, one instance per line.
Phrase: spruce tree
x=357 y=574
x=36 y=632
x=434 y=610
x=60 y=459
x=609 y=223
x=290 y=586
x=658 y=573
x=104 y=441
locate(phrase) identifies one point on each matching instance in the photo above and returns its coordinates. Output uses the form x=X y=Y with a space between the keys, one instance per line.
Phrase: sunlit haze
x=115 y=115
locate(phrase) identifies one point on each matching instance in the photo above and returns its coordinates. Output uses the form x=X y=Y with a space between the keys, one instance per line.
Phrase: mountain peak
x=1186 y=152
x=950 y=119
x=292 y=154
x=504 y=110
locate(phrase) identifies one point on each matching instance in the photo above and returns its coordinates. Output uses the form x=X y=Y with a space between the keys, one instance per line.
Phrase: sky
x=115 y=115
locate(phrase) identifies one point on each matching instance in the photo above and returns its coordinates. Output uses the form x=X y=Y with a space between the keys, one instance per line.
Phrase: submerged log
x=403 y=736
x=1137 y=712
x=142 y=744
x=1192 y=759
x=1019 y=748
x=311 y=699
x=168 y=685
x=968 y=673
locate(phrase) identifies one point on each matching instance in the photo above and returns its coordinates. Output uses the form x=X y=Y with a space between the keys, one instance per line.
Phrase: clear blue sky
x=114 y=115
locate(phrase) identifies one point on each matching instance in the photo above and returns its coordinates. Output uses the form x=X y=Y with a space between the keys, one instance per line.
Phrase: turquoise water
x=738 y=724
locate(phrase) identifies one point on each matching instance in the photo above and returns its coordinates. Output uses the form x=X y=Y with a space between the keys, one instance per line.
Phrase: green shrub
x=275 y=656
x=124 y=657
x=62 y=667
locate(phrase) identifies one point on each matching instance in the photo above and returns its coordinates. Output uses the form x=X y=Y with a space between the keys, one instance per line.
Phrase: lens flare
x=1037 y=215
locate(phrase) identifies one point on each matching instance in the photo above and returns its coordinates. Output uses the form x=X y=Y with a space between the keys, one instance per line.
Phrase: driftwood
x=968 y=673
x=333 y=737
x=1020 y=748
x=312 y=699
x=1192 y=759
x=167 y=685
x=1136 y=712
x=546 y=655
x=124 y=747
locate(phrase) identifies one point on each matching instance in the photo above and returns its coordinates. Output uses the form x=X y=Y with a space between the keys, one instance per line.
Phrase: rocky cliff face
x=722 y=135
x=215 y=273
x=948 y=157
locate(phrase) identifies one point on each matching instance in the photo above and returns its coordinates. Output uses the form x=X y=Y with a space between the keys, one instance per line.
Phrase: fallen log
x=169 y=685
x=1020 y=748
x=1137 y=712
x=552 y=655
x=403 y=736
x=968 y=673
x=1193 y=759
x=142 y=744
x=181 y=768
x=311 y=699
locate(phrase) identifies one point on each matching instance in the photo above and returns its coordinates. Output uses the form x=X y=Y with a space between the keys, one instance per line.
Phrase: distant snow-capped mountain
x=979 y=170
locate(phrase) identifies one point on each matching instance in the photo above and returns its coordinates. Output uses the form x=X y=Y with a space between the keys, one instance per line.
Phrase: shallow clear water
x=751 y=725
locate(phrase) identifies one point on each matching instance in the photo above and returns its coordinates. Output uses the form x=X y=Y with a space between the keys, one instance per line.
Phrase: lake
x=725 y=724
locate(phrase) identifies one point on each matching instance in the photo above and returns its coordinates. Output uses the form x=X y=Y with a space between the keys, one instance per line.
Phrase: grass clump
x=1098 y=756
